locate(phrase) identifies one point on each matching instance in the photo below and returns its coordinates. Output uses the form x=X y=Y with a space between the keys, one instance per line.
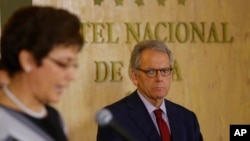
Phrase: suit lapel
x=174 y=121
x=140 y=116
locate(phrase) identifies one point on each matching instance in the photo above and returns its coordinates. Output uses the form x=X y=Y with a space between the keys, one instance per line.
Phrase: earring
x=27 y=69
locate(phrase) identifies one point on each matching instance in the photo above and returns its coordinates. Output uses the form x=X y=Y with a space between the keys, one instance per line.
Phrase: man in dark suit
x=151 y=66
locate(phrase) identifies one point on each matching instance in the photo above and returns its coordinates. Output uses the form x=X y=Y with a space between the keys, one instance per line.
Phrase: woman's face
x=58 y=69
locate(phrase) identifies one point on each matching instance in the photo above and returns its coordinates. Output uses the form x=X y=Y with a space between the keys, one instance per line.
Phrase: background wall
x=212 y=69
x=8 y=6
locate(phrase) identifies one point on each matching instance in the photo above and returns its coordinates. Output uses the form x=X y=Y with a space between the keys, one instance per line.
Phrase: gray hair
x=156 y=45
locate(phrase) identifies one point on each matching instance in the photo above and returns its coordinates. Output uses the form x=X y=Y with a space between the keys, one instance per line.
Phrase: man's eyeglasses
x=62 y=64
x=154 y=72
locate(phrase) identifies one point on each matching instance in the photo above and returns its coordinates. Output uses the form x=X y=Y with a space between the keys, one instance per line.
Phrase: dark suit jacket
x=133 y=116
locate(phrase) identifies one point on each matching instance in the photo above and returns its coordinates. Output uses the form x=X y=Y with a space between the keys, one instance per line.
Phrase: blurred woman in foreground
x=39 y=49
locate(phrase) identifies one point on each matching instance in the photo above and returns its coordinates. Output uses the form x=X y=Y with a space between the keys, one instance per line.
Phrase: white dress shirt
x=150 y=108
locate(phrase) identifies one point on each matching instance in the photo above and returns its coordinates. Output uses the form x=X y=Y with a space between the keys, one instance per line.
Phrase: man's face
x=156 y=88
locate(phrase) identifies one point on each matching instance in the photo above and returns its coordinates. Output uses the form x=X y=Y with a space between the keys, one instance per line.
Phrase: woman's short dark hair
x=37 y=30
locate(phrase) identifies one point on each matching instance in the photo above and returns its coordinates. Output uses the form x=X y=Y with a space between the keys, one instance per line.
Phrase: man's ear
x=26 y=60
x=133 y=76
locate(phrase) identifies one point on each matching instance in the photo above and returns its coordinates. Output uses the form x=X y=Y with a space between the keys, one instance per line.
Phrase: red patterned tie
x=163 y=127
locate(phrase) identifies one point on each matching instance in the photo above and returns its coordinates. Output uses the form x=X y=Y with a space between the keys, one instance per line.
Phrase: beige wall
x=213 y=73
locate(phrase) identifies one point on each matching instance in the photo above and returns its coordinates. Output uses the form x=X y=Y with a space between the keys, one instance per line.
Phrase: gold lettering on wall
x=116 y=71
x=176 y=76
x=102 y=71
x=171 y=32
x=105 y=69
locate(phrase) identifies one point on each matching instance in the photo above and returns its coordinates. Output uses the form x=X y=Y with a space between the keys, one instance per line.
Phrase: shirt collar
x=151 y=107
